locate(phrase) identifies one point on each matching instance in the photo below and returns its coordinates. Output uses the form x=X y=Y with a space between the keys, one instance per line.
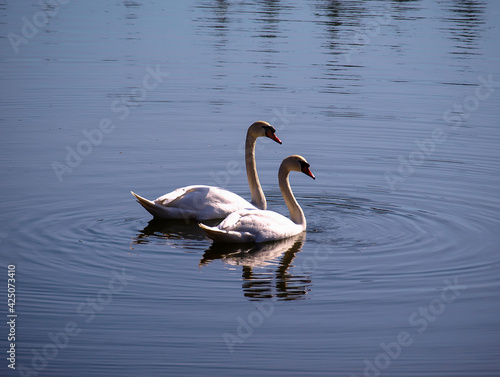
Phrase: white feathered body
x=253 y=226
x=195 y=202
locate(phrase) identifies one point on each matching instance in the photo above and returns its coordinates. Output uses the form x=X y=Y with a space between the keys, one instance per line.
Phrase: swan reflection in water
x=265 y=267
x=171 y=230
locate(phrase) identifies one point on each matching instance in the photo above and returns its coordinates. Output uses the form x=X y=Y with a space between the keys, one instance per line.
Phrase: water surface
x=395 y=106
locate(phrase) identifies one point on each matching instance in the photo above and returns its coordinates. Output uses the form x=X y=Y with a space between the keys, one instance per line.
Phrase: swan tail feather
x=219 y=235
x=148 y=205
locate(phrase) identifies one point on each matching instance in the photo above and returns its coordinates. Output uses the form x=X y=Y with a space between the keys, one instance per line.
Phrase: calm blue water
x=395 y=106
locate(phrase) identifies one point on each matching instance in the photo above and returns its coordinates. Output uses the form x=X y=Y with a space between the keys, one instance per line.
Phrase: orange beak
x=308 y=172
x=270 y=134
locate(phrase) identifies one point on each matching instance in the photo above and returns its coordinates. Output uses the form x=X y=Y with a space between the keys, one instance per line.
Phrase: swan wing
x=199 y=202
x=180 y=195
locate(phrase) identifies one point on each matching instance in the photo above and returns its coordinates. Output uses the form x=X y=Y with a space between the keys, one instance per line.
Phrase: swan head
x=297 y=163
x=261 y=128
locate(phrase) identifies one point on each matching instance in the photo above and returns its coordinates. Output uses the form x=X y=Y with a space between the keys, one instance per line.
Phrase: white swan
x=207 y=202
x=249 y=225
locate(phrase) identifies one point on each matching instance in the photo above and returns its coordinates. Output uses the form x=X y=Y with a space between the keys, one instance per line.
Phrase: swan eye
x=269 y=129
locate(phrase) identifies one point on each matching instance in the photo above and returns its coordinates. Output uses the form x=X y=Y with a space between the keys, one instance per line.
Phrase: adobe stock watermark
x=454 y=116
x=365 y=34
x=279 y=121
x=95 y=137
x=247 y=325
x=30 y=26
x=87 y=309
x=419 y=321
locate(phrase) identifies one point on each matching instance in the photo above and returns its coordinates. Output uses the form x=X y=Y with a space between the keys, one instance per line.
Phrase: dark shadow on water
x=265 y=267
x=173 y=229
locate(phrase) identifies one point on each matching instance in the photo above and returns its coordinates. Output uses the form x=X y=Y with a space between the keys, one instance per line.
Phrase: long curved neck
x=258 y=198
x=296 y=213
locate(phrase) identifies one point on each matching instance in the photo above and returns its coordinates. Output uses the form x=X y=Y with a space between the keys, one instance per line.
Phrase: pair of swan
x=244 y=221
